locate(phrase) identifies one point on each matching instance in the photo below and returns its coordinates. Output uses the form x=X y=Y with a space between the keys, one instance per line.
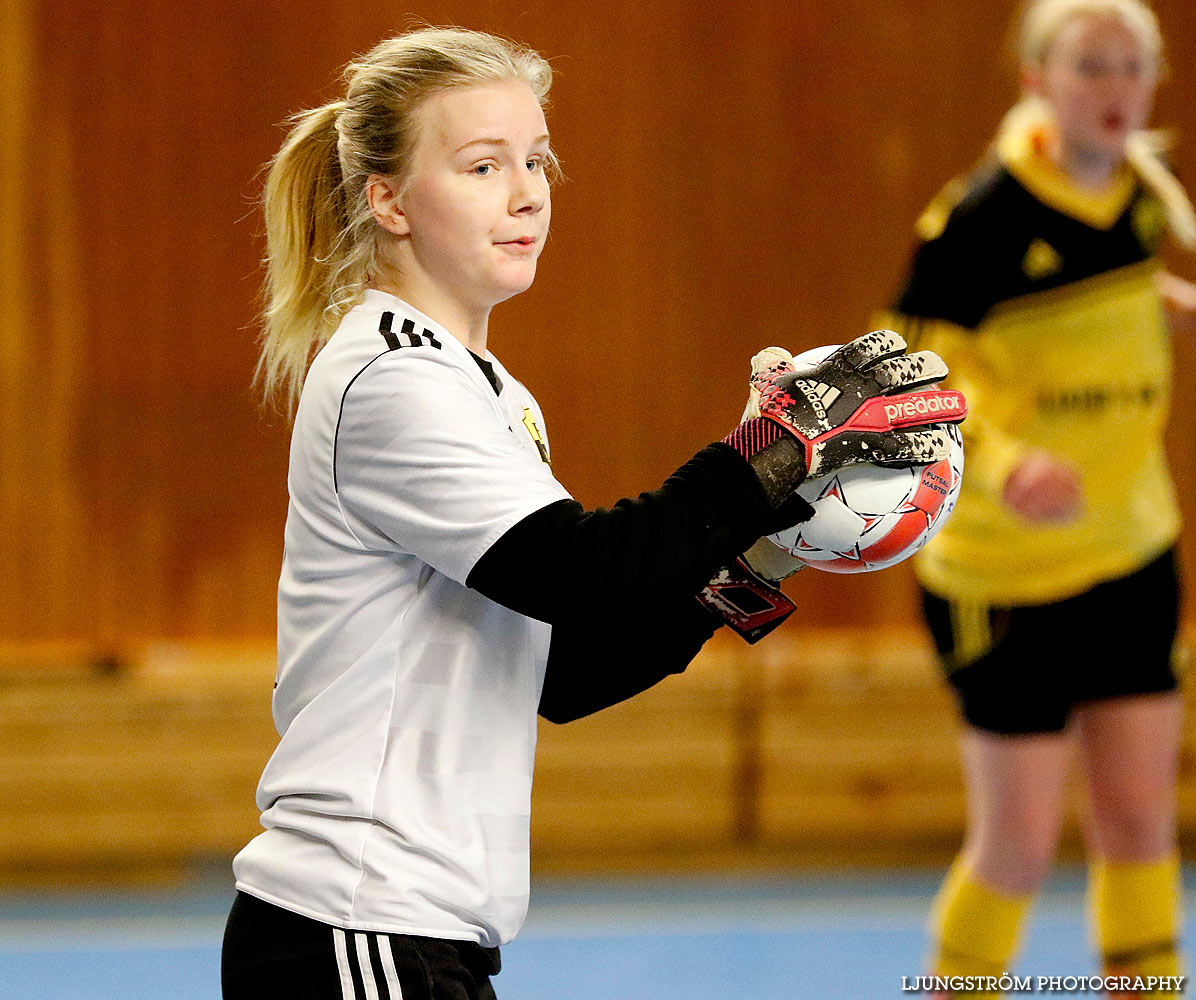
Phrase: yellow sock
x=975 y=929
x=1134 y=908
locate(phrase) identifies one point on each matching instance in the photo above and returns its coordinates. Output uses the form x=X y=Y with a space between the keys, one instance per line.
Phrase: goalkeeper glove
x=860 y=404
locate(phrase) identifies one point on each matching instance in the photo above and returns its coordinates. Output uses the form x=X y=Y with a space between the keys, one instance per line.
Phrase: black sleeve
x=563 y=562
x=618 y=585
x=592 y=666
x=959 y=274
x=945 y=282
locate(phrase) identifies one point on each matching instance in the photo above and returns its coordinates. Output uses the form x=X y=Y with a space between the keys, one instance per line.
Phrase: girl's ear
x=384 y=197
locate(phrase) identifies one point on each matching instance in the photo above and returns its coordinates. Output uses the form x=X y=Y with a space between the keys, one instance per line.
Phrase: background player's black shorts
x=273 y=954
x=1023 y=669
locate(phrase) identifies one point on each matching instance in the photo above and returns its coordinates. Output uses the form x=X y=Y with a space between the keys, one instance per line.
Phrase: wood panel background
x=739 y=174
x=825 y=750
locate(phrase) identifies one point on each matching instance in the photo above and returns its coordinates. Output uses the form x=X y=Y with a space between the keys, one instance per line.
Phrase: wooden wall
x=739 y=174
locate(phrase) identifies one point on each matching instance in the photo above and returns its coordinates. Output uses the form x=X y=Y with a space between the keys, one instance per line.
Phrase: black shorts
x=1023 y=669
x=273 y=954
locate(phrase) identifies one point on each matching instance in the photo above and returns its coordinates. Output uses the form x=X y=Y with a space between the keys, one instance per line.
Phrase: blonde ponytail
x=1144 y=152
x=321 y=237
x=303 y=203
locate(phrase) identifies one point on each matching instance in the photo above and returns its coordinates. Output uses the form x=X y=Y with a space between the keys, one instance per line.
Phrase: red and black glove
x=865 y=402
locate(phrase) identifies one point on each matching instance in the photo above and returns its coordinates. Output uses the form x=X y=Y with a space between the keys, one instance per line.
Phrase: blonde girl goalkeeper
x=439 y=585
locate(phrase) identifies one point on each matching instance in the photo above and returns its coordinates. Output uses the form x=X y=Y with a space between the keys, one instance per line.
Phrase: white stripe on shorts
x=388 y=967
x=342 y=963
x=367 y=969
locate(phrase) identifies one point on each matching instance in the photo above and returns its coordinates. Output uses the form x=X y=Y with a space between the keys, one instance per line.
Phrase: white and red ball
x=868 y=517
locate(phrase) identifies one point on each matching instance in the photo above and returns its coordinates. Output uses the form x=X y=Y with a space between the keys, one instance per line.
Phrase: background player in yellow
x=1052 y=592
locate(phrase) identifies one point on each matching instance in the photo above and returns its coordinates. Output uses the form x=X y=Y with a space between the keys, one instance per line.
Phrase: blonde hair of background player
x=322 y=240
x=1044 y=19
x=1041 y=23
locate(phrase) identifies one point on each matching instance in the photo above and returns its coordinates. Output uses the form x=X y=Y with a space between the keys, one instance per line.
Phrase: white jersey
x=398 y=798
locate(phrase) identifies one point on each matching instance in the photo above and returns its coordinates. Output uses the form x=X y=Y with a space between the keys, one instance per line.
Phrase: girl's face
x=1100 y=85
x=475 y=207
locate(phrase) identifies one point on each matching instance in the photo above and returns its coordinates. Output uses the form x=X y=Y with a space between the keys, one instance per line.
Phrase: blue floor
x=851 y=936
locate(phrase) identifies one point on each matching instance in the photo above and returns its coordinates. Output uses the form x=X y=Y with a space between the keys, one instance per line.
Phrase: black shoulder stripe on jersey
x=386 y=328
x=409 y=332
x=425 y=339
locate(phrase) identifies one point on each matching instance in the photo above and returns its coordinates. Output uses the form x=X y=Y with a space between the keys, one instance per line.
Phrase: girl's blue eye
x=482 y=169
x=534 y=164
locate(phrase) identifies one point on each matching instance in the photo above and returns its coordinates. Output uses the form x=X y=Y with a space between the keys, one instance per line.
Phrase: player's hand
x=1043 y=489
x=866 y=402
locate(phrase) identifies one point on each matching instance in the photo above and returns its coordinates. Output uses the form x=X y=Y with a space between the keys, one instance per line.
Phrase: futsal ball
x=868 y=517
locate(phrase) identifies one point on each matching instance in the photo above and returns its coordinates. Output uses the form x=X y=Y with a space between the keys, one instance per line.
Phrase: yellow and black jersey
x=1042 y=300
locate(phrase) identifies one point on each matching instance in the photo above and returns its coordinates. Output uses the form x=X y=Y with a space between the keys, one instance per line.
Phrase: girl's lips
x=521 y=245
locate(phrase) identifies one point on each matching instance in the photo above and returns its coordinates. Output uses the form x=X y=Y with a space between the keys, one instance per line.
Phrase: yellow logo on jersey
x=541 y=445
x=1041 y=260
x=1150 y=222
